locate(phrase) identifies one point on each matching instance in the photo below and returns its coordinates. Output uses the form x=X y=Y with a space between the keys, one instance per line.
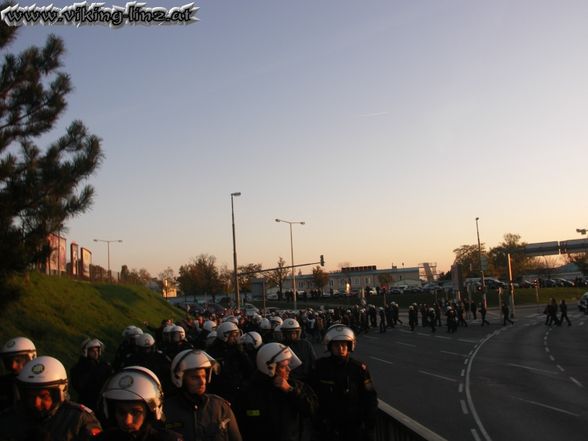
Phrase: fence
x=393 y=425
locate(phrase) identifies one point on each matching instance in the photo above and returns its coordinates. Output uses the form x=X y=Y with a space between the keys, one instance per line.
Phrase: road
x=525 y=381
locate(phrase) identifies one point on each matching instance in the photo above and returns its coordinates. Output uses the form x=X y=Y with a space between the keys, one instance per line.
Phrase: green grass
x=58 y=313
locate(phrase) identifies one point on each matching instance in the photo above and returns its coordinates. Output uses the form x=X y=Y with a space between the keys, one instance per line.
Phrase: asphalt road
x=525 y=381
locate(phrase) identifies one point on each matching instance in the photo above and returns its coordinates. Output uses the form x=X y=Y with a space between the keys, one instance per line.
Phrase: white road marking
x=576 y=382
x=462 y=372
x=460 y=389
x=383 y=361
x=443 y=337
x=531 y=368
x=466 y=361
x=422 y=333
x=475 y=435
x=546 y=349
x=559 y=367
x=467 y=341
x=557 y=409
x=439 y=376
x=552 y=358
x=464 y=407
x=406 y=344
x=469 y=394
x=453 y=353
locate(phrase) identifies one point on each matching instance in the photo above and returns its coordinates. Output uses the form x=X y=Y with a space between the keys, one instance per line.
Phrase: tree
x=39 y=191
x=580 y=259
x=319 y=277
x=201 y=277
x=277 y=277
x=134 y=276
x=250 y=272
x=469 y=258
x=498 y=256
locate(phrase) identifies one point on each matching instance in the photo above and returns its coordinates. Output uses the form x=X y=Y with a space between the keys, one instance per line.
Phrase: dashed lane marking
x=546 y=406
x=576 y=382
x=382 y=360
x=453 y=380
x=462 y=372
x=460 y=389
x=443 y=337
x=464 y=407
x=475 y=435
x=453 y=353
x=552 y=358
x=464 y=340
x=532 y=368
x=559 y=367
x=406 y=344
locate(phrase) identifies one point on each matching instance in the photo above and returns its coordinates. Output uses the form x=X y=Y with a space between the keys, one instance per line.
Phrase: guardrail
x=393 y=425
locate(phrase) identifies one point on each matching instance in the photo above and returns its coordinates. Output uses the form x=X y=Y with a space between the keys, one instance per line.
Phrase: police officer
x=147 y=355
x=348 y=402
x=44 y=411
x=235 y=366
x=192 y=412
x=178 y=342
x=133 y=404
x=127 y=346
x=15 y=353
x=412 y=317
x=291 y=333
x=90 y=373
x=272 y=406
x=251 y=342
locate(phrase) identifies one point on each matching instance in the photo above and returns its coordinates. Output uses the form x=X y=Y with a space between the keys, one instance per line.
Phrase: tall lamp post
x=290 y=223
x=108 y=242
x=235 y=278
x=481 y=264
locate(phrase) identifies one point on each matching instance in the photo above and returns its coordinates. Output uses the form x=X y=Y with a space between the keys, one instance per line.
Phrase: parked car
x=250 y=309
x=272 y=296
x=564 y=282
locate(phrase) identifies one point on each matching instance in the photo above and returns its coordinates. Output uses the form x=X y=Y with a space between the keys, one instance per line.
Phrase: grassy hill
x=58 y=313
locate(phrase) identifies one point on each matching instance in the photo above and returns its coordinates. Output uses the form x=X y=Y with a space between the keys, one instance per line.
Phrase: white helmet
x=178 y=334
x=210 y=338
x=278 y=332
x=290 y=324
x=339 y=333
x=145 y=341
x=134 y=383
x=270 y=354
x=45 y=373
x=256 y=318
x=209 y=325
x=265 y=324
x=131 y=332
x=19 y=346
x=251 y=340
x=275 y=320
x=166 y=333
x=191 y=359
x=231 y=318
x=225 y=329
x=92 y=343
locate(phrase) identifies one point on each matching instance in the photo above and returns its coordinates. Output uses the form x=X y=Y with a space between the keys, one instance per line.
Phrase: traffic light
x=322 y=260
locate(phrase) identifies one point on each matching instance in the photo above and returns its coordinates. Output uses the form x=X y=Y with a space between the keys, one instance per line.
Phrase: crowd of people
x=234 y=378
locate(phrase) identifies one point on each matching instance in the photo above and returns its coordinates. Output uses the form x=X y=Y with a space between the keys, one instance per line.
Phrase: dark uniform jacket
x=208 y=417
x=347 y=399
x=235 y=369
x=265 y=412
x=8 y=391
x=147 y=433
x=70 y=422
x=87 y=378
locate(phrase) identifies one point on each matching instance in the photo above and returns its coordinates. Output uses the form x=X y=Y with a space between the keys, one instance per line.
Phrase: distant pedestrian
x=506 y=315
x=563 y=308
x=483 y=311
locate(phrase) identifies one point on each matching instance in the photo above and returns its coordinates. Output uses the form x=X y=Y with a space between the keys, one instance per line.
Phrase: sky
x=386 y=126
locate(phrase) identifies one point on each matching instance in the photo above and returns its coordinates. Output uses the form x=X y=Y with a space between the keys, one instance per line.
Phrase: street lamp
x=292 y=255
x=108 y=242
x=236 y=279
x=481 y=265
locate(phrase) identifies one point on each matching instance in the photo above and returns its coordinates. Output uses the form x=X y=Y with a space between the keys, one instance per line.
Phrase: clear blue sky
x=387 y=126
